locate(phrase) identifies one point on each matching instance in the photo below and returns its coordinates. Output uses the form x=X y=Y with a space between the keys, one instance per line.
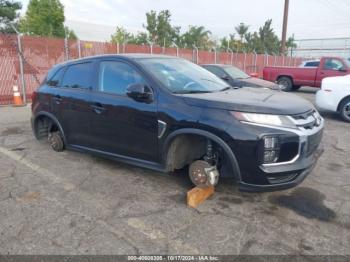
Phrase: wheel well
x=291 y=79
x=43 y=125
x=340 y=103
x=186 y=148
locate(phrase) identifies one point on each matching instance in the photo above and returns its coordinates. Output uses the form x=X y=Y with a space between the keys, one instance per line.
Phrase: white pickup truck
x=335 y=95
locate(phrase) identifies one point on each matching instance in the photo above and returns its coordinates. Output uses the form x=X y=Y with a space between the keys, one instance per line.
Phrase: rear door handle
x=98 y=108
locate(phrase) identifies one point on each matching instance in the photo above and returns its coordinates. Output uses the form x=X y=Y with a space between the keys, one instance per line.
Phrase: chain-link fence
x=36 y=55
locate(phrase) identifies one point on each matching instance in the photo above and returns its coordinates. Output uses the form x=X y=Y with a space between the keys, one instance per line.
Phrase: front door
x=331 y=67
x=119 y=124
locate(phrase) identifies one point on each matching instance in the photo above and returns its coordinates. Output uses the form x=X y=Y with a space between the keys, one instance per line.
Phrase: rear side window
x=56 y=78
x=115 y=77
x=78 y=76
x=311 y=64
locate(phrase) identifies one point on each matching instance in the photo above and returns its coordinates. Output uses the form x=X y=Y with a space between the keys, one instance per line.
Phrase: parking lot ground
x=74 y=203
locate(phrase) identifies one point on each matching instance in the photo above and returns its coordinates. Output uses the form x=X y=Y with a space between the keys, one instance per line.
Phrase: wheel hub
x=203 y=174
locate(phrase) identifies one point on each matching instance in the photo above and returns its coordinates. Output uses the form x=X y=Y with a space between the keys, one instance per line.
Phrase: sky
x=97 y=19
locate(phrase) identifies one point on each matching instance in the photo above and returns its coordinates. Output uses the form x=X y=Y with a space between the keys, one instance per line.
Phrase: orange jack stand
x=197 y=195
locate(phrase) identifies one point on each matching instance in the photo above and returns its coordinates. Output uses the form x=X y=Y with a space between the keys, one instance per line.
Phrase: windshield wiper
x=193 y=92
x=225 y=88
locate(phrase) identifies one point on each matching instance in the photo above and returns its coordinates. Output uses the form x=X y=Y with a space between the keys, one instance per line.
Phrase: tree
x=159 y=27
x=121 y=35
x=241 y=30
x=70 y=34
x=44 y=18
x=290 y=44
x=197 y=36
x=8 y=14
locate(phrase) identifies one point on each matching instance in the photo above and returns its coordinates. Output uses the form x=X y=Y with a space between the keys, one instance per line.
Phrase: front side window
x=216 y=71
x=115 y=77
x=78 y=76
x=181 y=76
x=333 y=64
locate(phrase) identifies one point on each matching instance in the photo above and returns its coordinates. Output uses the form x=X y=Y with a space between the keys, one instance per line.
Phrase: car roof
x=131 y=56
x=217 y=65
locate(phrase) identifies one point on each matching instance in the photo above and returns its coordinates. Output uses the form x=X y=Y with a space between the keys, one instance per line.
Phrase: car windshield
x=235 y=73
x=182 y=77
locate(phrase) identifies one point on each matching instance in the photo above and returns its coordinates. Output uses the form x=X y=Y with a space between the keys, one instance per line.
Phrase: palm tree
x=241 y=30
x=197 y=35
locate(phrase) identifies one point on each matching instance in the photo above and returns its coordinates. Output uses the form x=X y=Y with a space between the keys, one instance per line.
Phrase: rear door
x=71 y=102
x=119 y=124
x=330 y=67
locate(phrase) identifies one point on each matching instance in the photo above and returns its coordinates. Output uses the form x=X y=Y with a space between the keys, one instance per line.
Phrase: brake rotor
x=197 y=172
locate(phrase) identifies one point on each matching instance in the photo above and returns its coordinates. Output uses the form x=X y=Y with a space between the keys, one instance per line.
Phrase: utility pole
x=285 y=22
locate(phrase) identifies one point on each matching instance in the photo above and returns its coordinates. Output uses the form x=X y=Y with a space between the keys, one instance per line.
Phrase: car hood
x=254 y=100
x=257 y=82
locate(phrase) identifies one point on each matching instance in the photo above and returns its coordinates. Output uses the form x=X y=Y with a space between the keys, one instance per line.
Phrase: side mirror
x=139 y=92
x=342 y=69
x=225 y=77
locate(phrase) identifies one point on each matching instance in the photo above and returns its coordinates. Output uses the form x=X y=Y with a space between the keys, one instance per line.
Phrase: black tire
x=296 y=88
x=56 y=141
x=285 y=83
x=344 y=109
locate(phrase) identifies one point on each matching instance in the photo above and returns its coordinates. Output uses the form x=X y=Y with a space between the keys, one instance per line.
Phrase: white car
x=335 y=95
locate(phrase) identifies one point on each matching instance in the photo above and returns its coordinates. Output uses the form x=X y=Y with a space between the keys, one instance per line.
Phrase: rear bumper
x=303 y=167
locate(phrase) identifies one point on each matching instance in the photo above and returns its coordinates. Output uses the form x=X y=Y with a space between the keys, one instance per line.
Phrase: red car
x=292 y=78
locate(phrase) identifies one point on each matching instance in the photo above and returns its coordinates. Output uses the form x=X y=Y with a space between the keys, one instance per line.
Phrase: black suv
x=166 y=113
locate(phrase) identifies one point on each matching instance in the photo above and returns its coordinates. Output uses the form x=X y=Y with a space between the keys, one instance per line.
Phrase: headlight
x=265 y=119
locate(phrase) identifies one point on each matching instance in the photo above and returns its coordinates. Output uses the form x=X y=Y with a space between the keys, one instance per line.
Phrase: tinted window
x=235 y=73
x=55 y=80
x=312 y=64
x=115 y=77
x=332 y=64
x=78 y=76
x=215 y=70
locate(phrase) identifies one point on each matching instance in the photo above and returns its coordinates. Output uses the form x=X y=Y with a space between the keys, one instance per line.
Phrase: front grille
x=308 y=120
x=312 y=143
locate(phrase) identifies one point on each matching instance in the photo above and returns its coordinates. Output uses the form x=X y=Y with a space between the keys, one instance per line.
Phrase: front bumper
x=296 y=161
x=298 y=171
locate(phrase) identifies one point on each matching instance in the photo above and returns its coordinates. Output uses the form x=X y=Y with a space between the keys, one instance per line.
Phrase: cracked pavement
x=73 y=203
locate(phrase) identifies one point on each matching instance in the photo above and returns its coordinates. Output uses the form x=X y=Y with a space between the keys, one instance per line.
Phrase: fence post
x=244 y=61
x=177 y=49
x=236 y=60
x=195 y=49
x=275 y=58
x=282 y=60
x=231 y=52
x=215 y=58
x=151 y=46
x=255 y=59
x=66 y=46
x=266 y=59
x=21 y=64
x=79 y=48
x=118 y=51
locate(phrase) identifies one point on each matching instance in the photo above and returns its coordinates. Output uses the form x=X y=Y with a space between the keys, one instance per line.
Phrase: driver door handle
x=98 y=108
